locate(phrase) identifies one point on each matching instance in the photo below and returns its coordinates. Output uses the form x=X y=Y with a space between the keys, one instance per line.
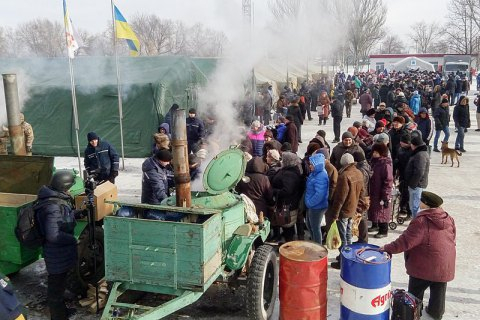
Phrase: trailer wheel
x=84 y=272
x=262 y=284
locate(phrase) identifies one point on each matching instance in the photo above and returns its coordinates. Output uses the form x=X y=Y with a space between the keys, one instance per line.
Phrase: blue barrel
x=365 y=289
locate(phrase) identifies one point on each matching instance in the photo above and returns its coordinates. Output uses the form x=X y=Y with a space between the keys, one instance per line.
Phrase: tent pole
x=119 y=86
x=75 y=114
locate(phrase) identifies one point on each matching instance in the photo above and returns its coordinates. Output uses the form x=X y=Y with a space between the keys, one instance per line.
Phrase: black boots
x=382 y=230
x=374 y=227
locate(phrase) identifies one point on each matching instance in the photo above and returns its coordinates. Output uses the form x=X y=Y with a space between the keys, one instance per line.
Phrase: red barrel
x=303 y=281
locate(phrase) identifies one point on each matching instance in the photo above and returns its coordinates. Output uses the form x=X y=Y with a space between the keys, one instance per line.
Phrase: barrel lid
x=303 y=251
x=365 y=253
x=224 y=171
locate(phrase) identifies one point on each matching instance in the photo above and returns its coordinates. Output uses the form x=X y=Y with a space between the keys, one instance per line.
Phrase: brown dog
x=446 y=151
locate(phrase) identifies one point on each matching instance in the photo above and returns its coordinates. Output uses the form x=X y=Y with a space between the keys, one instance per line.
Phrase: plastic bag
x=333 y=237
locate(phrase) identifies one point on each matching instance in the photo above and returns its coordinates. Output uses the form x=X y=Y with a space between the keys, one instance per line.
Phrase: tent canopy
x=413 y=63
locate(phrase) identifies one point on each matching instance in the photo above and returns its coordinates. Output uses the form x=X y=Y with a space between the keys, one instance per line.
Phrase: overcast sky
x=94 y=15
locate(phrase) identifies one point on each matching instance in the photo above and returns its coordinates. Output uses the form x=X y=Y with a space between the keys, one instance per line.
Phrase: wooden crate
x=175 y=255
x=105 y=191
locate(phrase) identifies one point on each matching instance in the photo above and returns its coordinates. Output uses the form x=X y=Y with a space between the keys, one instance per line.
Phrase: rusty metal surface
x=180 y=159
x=22 y=174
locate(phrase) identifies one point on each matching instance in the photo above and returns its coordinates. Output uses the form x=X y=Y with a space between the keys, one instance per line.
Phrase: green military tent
x=150 y=85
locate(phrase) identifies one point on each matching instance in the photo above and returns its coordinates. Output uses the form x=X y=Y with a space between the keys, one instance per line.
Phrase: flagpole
x=75 y=114
x=119 y=86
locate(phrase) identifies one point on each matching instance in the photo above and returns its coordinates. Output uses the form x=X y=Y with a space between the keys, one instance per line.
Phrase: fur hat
x=347 y=135
x=431 y=199
x=289 y=159
x=399 y=119
x=161 y=140
x=370 y=112
x=346 y=159
x=381 y=148
x=92 y=136
x=353 y=131
x=359 y=156
x=416 y=138
x=273 y=153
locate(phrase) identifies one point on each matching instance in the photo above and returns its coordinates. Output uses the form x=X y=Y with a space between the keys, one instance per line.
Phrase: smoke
x=23 y=84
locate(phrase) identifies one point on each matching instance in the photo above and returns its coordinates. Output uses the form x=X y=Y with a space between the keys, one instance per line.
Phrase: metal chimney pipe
x=180 y=159
x=17 y=138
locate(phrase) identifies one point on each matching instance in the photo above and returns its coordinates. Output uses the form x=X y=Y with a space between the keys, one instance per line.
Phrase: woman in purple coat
x=381 y=184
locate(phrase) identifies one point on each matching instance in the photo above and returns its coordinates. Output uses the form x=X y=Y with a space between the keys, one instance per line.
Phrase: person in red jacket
x=429 y=246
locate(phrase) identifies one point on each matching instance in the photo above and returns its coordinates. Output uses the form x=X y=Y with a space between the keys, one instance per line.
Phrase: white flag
x=72 y=44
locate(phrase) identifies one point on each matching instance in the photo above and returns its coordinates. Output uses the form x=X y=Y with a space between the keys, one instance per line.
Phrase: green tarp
x=150 y=85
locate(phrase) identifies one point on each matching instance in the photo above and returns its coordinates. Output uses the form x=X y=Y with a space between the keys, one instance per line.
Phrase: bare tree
x=392 y=44
x=154 y=34
x=365 y=28
x=285 y=10
x=425 y=35
x=42 y=37
x=3 y=42
x=204 y=42
x=463 y=34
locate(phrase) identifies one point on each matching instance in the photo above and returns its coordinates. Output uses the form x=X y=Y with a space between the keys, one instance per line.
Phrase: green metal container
x=20 y=179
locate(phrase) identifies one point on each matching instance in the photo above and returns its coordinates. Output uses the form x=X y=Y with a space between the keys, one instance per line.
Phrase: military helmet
x=62 y=180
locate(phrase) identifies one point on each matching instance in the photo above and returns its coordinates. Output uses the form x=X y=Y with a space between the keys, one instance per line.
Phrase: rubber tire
x=392 y=225
x=77 y=280
x=400 y=220
x=262 y=279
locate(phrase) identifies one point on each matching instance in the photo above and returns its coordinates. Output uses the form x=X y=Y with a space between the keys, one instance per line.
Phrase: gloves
x=28 y=149
x=80 y=214
x=112 y=177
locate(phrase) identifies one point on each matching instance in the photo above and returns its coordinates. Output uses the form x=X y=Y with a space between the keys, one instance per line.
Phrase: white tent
x=412 y=63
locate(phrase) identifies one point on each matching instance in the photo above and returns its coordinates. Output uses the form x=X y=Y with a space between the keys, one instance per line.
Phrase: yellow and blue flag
x=124 y=31
x=72 y=44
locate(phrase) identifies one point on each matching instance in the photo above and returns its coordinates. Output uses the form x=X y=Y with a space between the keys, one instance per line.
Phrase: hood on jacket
x=164 y=126
x=46 y=192
x=256 y=165
x=318 y=162
x=150 y=164
x=437 y=216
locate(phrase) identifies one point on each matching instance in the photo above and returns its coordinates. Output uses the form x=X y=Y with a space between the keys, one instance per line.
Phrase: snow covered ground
x=459 y=187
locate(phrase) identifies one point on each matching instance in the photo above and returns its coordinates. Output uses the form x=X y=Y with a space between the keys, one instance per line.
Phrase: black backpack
x=27 y=230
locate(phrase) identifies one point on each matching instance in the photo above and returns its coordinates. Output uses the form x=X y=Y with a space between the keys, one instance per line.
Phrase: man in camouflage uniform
x=28 y=134
x=4 y=140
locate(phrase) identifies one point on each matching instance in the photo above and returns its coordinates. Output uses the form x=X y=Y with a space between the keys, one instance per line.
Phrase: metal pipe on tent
x=75 y=114
x=119 y=86
x=12 y=103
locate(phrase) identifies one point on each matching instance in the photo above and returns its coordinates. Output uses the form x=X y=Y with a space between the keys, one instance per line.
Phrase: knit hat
x=384 y=121
x=444 y=100
x=359 y=156
x=286 y=147
x=416 y=138
x=382 y=138
x=370 y=112
x=399 y=119
x=192 y=110
x=431 y=199
x=353 y=131
x=289 y=159
x=423 y=110
x=381 y=148
x=357 y=124
x=325 y=152
x=163 y=155
x=379 y=124
x=346 y=159
x=92 y=136
x=347 y=135
x=405 y=138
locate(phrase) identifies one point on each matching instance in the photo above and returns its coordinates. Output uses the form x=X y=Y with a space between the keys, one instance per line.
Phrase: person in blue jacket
x=56 y=220
x=415 y=102
x=316 y=195
x=155 y=177
x=195 y=129
x=10 y=306
x=101 y=158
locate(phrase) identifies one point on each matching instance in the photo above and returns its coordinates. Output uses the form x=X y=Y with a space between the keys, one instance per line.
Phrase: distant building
x=388 y=61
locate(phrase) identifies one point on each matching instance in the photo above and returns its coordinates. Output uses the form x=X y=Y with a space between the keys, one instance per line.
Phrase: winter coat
x=154 y=182
x=391 y=99
x=195 y=130
x=461 y=116
x=258 y=140
x=347 y=193
x=458 y=86
x=370 y=123
x=451 y=84
x=56 y=219
x=400 y=164
x=288 y=187
x=281 y=129
x=425 y=126
x=10 y=306
x=395 y=136
x=323 y=111
x=291 y=136
x=416 y=172
x=332 y=173
x=337 y=108
x=366 y=171
x=442 y=117
x=339 y=150
x=258 y=189
x=317 y=186
x=429 y=245
x=323 y=99
x=381 y=184
x=415 y=102
x=295 y=111
x=103 y=157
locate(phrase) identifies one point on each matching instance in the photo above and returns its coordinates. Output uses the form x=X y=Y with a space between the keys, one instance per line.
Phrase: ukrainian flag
x=124 y=31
